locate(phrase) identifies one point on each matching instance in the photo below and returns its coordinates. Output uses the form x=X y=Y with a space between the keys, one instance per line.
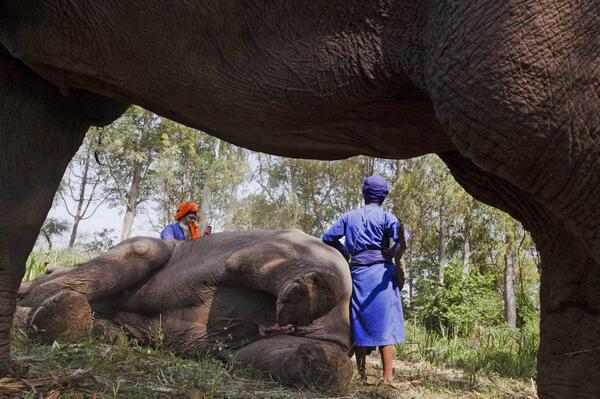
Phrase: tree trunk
x=205 y=206
x=441 y=245
x=510 y=303
x=205 y=201
x=48 y=240
x=80 y=200
x=409 y=273
x=132 y=201
x=467 y=243
x=293 y=192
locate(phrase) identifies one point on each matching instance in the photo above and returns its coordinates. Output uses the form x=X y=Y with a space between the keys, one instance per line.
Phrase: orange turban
x=184 y=208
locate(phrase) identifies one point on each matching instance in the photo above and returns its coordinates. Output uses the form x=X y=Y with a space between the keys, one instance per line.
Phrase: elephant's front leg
x=298 y=361
x=40 y=130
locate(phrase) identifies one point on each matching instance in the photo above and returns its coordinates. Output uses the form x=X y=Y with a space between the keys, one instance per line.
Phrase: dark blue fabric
x=369 y=257
x=375 y=189
x=376 y=310
x=366 y=228
x=172 y=232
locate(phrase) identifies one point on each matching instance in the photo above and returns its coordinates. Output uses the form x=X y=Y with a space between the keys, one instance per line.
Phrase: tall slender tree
x=130 y=147
x=82 y=185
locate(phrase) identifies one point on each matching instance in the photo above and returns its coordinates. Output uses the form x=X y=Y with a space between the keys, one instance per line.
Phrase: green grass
x=38 y=262
x=125 y=369
x=489 y=350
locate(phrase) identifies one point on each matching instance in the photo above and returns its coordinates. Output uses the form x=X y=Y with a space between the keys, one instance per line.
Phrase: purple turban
x=375 y=189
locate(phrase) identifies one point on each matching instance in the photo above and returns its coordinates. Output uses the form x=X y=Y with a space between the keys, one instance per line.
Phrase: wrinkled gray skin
x=505 y=91
x=228 y=293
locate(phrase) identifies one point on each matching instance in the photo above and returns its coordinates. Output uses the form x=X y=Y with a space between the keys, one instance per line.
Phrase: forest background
x=472 y=286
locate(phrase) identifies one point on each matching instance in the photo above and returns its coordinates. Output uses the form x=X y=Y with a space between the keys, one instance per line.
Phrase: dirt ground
x=422 y=380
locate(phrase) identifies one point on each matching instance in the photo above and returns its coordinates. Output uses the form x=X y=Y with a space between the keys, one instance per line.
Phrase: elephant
x=277 y=301
x=505 y=92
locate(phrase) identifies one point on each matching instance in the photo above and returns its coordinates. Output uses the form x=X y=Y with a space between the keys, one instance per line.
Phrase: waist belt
x=369 y=257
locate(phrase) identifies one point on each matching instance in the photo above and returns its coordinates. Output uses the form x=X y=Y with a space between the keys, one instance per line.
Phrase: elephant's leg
x=307 y=278
x=569 y=356
x=516 y=89
x=301 y=362
x=568 y=360
x=40 y=130
x=116 y=270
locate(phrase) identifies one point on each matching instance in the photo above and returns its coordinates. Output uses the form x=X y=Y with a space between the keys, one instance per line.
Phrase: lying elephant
x=277 y=300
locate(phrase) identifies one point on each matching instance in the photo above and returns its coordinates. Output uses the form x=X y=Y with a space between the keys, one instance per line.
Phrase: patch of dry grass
x=127 y=370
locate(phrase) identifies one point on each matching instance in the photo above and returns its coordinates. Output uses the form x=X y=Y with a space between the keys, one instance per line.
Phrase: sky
x=104 y=217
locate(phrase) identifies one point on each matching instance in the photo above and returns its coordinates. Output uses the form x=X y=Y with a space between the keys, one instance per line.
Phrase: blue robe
x=376 y=308
x=172 y=232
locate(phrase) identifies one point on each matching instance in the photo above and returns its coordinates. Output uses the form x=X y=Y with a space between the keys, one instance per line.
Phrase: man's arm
x=167 y=233
x=332 y=237
x=400 y=237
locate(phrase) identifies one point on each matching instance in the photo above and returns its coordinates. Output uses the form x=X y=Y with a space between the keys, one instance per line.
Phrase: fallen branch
x=12 y=385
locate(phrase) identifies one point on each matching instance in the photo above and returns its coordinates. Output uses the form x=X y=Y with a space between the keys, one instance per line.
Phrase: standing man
x=208 y=230
x=186 y=227
x=376 y=310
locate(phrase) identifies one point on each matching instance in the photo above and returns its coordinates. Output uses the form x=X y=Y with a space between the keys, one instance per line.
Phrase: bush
x=38 y=262
x=464 y=300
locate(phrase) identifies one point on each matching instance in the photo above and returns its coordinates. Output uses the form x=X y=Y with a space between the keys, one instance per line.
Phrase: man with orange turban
x=186 y=227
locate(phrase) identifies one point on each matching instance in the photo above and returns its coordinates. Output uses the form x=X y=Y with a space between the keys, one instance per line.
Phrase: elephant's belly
x=229 y=319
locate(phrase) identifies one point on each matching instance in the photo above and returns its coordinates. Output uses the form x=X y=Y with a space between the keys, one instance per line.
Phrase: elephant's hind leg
x=112 y=272
x=301 y=362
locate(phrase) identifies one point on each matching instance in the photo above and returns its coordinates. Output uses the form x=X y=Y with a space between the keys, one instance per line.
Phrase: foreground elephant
x=234 y=293
x=505 y=91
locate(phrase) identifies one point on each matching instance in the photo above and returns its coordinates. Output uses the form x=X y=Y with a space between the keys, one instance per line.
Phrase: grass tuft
x=489 y=350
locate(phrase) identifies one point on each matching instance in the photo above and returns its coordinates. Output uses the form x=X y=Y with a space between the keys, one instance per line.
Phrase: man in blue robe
x=376 y=309
x=186 y=228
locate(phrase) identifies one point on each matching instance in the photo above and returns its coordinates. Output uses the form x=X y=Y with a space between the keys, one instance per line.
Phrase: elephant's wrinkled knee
x=152 y=252
x=140 y=247
x=66 y=315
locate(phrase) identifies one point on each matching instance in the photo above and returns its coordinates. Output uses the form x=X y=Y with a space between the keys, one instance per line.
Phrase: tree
x=194 y=166
x=53 y=227
x=130 y=147
x=82 y=184
x=101 y=242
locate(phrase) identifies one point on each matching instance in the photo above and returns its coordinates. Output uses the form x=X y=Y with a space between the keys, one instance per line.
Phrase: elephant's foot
x=66 y=315
x=300 y=362
x=306 y=298
x=21 y=316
